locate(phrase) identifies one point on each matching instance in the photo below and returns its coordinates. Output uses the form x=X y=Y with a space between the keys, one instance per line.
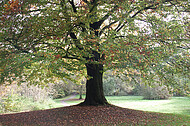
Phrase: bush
x=10 y=104
x=137 y=90
x=15 y=98
x=109 y=85
x=116 y=85
x=33 y=92
x=154 y=93
x=61 y=89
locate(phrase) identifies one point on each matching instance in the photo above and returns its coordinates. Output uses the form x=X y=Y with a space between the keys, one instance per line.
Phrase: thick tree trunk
x=94 y=86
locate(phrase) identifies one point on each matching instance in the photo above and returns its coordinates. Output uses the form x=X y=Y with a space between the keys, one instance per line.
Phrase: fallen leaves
x=80 y=115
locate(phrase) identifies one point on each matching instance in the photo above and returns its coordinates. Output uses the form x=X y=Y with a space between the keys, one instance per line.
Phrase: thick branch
x=73 y=36
x=96 y=25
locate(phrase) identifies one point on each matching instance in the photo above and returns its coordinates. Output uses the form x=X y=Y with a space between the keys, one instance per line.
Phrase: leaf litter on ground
x=85 y=116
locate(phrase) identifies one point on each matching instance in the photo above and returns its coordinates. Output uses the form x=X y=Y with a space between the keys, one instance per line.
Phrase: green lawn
x=176 y=105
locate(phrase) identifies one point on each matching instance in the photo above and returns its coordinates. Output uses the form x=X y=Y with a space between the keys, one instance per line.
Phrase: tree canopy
x=44 y=39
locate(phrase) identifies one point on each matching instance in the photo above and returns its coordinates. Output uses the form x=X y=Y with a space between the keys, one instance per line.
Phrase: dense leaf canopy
x=44 y=39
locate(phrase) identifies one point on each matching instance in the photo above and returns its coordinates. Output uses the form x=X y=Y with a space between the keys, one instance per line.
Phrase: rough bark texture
x=94 y=86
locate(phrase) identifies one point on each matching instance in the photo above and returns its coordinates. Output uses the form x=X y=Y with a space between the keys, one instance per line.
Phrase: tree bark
x=94 y=86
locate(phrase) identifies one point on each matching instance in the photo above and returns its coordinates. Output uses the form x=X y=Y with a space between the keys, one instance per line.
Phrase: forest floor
x=89 y=116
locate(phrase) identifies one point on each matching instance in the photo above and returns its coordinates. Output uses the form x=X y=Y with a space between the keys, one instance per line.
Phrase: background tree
x=63 y=36
x=117 y=84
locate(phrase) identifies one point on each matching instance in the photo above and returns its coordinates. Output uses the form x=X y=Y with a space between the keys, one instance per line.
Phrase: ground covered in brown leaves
x=80 y=115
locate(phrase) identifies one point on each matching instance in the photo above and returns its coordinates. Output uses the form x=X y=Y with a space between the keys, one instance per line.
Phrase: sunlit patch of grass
x=178 y=105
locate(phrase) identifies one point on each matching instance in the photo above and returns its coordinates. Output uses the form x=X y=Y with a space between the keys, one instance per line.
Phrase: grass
x=166 y=120
x=175 y=105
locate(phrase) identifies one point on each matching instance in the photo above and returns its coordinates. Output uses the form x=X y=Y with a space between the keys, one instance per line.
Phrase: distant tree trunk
x=94 y=86
x=80 y=92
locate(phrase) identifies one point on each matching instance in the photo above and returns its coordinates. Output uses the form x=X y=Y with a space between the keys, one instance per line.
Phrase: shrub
x=154 y=93
x=22 y=98
x=33 y=92
x=109 y=85
x=116 y=85
x=10 y=104
x=62 y=89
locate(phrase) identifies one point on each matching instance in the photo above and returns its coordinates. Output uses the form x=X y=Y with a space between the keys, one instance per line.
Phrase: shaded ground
x=82 y=115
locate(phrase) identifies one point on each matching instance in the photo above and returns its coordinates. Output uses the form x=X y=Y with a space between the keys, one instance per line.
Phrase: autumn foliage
x=12 y=7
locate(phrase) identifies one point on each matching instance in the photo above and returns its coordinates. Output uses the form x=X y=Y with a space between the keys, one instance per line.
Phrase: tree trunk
x=80 y=92
x=94 y=86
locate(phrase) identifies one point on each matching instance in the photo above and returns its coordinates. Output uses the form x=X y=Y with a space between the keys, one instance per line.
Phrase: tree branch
x=139 y=11
x=96 y=25
x=107 y=26
x=73 y=5
x=85 y=1
x=17 y=47
x=73 y=36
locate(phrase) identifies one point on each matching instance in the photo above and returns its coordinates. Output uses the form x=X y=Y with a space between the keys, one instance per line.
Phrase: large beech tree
x=41 y=40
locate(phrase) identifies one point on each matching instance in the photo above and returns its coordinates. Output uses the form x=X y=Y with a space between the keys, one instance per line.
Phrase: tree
x=46 y=38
